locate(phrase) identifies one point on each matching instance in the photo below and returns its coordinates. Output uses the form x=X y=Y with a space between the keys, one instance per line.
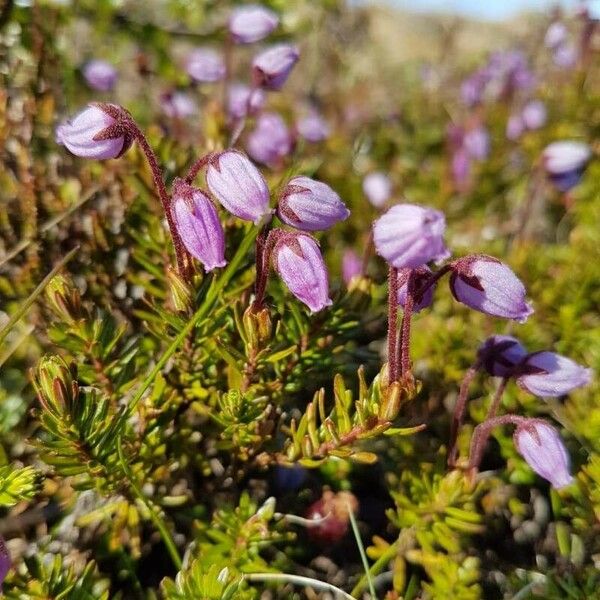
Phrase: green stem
x=361 y=550
x=375 y=569
x=160 y=525
x=24 y=307
x=201 y=313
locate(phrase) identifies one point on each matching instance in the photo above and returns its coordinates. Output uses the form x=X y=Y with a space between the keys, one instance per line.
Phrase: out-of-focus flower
x=499 y=355
x=351 y=265
x=565 y=56
x=489 y=286
x=409 y=235
x=205 y=65
x=177 y=105
x=313 y=127
x=473 y=88
x=289 y=478
x=461 y=168
x=534 y=114
x=377 y=187
x=331 y=511
x=548 y=374
x=252 y=23
x=242 y=100
x=477 y=143
x=565 y=163
x=5 y=563
x=514 y=127
x=542 y=448
x=198 y=225
x=420 y=276
x=270 y=141
x=239 y=186
x=100 y=75
x=272 y=67
x=298 y=260
x=556 y=34
x=310 y=205
x=93 y=133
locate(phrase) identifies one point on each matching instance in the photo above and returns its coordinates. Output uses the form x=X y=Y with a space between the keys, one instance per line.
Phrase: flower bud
x=95 y=133
x=331 y=514
x=409 y=235
x=534 y=114
x=351 y=265
x=238 y=185
x=310 y=205
x=565 y=162
x=242 y=100
x=177 y=105
x=5 y=563
x=313 y=127
x=548 y=374
x=271 y=68
x=55 y=384
x=499 y=355
x=541 y=446
x=270 y=141
x=252 y=23
x=489 y=286
x=377 y=187
x=198 y=225
x=257 y=326
x=421 y=276
x=205 y=65
x=100 y=75
x=298 y=261
x=181 y=292
x=64 y=299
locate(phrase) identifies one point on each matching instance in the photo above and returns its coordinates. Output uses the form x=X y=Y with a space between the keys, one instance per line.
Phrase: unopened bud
x=64 y=299
x=54 y=383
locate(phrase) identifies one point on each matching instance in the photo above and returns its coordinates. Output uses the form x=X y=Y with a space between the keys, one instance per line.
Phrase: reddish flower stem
x=406 y=319
x=393 y=324
x=197 y=166
x=180 y=252
x=459 y=411
x=264 y=247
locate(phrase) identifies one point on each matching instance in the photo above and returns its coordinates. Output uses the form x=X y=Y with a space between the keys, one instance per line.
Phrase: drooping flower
x=351 y=265
x=500 y=354
x=252 y=23
x=313 y=127
x=270 y=141
x=409 y=235
x=565 y=163
x=272 y=67
x=198 y=225
x=205 y=65
x=239 y=186
x=377 y=187
x=548 y=374
x=534 y=114
x=100 y=75
x=489 y=286
x=542 y=448
x=242 y=100
x=298 y=260
x=421 y=276
x=95 y=133
x=177 y=105
x=310 y=205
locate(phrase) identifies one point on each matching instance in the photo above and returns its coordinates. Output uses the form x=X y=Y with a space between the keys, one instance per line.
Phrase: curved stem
x=497 y=398
x=393 y=324
x=154 y=516
x=299 y=580
x=197 y=166
x=159 y=184
x=419 y=293
x=460 y=410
